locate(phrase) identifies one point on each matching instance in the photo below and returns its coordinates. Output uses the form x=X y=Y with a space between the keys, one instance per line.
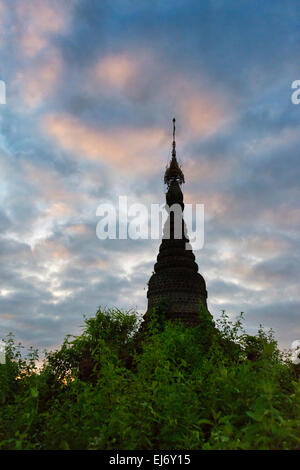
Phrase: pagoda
x=175 y=281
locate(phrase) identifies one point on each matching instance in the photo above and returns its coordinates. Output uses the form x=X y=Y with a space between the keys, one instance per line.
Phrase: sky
x=91 y=89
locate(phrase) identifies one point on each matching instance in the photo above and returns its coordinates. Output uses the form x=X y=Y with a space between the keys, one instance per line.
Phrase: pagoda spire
x=176 y=280
x=173 y=171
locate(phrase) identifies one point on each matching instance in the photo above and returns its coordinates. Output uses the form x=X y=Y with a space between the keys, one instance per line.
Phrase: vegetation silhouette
x=168 y=386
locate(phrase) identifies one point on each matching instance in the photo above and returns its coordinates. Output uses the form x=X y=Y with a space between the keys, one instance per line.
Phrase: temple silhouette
x=175 y=290
x=176 y=282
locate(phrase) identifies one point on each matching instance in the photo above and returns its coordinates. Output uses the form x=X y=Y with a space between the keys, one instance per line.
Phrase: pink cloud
x=3 y=18
x=58 y=200
x=204 y=169
x=51 y=187
x=132 y=150
x=202 y=109
x=116 y=71
x=38 y=20
x=59 y=210
x=215 y=204
x=38 y=83
x=265 y=246
x=78 y=229
x=54 y=250
x=201 y=113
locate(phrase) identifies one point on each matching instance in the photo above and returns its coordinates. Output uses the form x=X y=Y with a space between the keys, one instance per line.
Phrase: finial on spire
x=173 y=172
x=174 y=142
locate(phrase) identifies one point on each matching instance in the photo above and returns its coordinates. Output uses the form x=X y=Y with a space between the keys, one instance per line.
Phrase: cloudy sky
x=92 y=87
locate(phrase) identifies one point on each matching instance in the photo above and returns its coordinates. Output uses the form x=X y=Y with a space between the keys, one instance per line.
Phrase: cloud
x=278 y=271
x=38 y=20
x=201 y=169
x=120 y=147
x=36 y=84
x=202 y=113
x=286 y=137
x=51 y=186
x=91 y=91
x=3 y=22
x=116 y=71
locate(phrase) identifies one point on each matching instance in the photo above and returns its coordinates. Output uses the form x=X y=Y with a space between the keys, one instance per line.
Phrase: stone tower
x=176 y=280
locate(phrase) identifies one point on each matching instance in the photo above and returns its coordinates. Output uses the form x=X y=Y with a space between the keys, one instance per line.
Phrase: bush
x=173 y=387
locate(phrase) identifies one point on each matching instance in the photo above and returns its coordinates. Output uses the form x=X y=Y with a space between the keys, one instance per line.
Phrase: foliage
x=173 y=387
